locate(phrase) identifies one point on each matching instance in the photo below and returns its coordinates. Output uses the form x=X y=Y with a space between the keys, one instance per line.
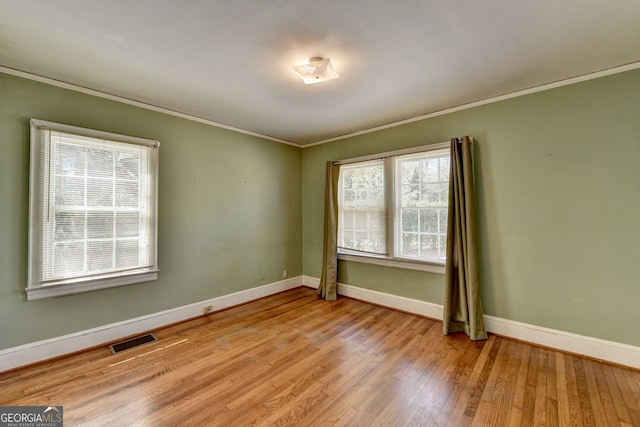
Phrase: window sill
x=396 y=263
x=69 y=288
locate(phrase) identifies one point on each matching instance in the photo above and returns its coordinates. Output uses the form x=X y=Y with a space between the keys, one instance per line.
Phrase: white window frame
x=384 y=207
x=391 y=189
x=37 y=288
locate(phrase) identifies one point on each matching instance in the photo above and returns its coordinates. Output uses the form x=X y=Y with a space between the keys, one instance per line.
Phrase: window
x=363 y=216
x=422 y=200
x=93 y=210
x=395 y=207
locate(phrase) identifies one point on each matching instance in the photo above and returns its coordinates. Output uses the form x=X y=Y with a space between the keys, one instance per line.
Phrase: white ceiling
x=230 y=61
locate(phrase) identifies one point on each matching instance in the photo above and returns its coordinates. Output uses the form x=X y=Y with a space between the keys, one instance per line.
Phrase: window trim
x=390 y=185
x=36 y=289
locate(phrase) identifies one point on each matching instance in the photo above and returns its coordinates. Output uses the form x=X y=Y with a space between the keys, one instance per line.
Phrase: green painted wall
x=558 y=181
x=558 y=200
x=229 y=212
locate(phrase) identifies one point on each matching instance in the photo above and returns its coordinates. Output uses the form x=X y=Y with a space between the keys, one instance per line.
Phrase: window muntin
x=401 y=212
x=93 y=209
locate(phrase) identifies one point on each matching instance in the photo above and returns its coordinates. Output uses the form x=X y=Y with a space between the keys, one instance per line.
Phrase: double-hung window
x=362 y=205
x=93 y=210
x=392 y=209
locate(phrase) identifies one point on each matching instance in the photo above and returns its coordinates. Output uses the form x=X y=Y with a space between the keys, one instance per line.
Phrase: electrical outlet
x=284 y=274
x=208 y=309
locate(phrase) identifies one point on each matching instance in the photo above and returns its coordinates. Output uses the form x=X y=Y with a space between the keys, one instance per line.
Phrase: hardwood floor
x=291 y=359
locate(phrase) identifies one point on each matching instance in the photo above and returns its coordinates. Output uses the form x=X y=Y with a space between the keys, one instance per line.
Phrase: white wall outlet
x=284 y=274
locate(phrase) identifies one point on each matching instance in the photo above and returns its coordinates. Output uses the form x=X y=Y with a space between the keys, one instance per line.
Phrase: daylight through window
x=93 y=210
x=396 y=207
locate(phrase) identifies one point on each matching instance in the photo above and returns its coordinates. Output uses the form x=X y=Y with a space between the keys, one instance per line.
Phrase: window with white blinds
x=93 y=210
x=361 y=212
x=395 y=207
x=422 y=199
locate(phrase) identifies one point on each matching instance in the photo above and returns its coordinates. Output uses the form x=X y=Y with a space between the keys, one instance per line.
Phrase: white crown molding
x=610 y=351
x=553 y=85
x=99 y=94
x=516 y=94
x=15 y=357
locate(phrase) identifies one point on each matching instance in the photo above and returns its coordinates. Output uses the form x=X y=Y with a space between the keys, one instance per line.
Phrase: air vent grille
x=132 y=343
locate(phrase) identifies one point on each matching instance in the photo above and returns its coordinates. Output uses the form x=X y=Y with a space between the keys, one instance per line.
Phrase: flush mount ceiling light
x=316 y=71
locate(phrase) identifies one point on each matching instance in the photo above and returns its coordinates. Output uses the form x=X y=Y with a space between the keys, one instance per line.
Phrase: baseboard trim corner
x=38 y=351
x=609 y=351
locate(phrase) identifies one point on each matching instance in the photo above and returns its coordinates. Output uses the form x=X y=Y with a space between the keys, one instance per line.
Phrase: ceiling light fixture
x=316 y=71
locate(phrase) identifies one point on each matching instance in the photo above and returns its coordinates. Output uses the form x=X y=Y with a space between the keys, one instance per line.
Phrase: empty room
x=365 y=213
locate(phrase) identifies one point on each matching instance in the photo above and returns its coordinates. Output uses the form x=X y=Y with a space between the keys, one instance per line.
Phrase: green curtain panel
x=328 y=288
x=462 y=305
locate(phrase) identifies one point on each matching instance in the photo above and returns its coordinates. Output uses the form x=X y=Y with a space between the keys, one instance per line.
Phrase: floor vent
x=132 y=343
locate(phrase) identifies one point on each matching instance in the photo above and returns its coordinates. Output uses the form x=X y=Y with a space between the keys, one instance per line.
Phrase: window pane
x=100 y=162
x=349 y=220
x=362 y=243
x=99 y=225
x=442 y=213
x=349 y=199
x=429 y=221
x=349 y=240
x=126 y=194
x=411 y=172
x=127 y=225
x=361 y=220
x=69 y=258
x=431 y=170
x=99 y=256
x=431 y=194
x=377 y=221
x=444 y=194
x=445 y=163
x=410 y=220
x=99 y=192
x=429 y=246
x=70 y=160
x=127 y=253
x=410 y=195
x=69 y=191
x=410 y=244
x=347 y=181
x=442 y=253
x=128 y=166
x=69 y=226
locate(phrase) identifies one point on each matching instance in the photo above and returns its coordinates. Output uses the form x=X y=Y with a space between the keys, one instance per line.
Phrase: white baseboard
x=27 y=354
x=611 y=351
x=408 y=305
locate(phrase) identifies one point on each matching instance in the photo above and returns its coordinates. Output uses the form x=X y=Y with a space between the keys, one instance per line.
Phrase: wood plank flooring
x=292 y=359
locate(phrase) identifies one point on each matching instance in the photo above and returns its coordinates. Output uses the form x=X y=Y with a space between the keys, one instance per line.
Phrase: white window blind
x=422 y=198
x=396 y=207
x=93 y=210
x=362 y=213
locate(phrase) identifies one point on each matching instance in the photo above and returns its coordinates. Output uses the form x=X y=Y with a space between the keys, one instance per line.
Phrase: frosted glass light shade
x=316 y=71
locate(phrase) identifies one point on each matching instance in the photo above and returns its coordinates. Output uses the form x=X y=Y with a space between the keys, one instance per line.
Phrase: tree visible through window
x=395 y=207
x=423 y=201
